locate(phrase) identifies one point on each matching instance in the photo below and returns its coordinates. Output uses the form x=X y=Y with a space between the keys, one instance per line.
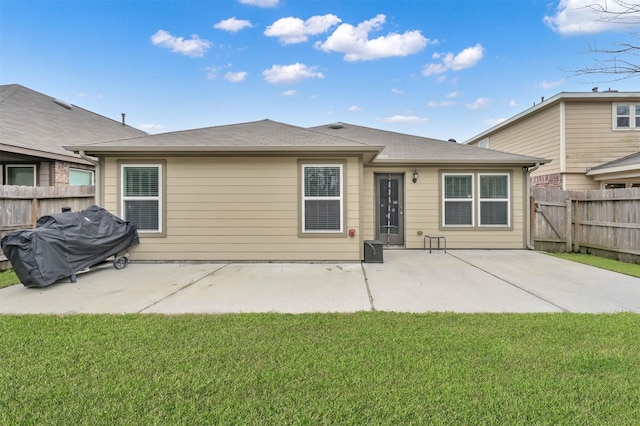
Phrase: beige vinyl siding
x=539 y=136
x=580 y=182
x=591 y=140
x=233 y=208
x=423 y=205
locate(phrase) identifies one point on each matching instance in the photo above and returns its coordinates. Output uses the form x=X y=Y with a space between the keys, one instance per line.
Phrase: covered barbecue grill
x=66 y=243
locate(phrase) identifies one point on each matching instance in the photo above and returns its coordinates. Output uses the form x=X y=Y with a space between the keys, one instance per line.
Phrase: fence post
x=568 y=225
x=532 y=221
x=34 y=212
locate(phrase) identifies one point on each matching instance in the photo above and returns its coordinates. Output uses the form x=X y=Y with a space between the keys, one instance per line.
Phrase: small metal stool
x=435 y=237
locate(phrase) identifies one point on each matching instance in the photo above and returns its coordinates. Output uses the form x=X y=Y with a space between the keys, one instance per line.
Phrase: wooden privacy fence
x=604 y=222
x=21 y=206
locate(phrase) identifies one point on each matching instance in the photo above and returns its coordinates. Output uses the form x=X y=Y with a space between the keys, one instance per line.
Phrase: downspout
x=527 y=219
x=96 y=180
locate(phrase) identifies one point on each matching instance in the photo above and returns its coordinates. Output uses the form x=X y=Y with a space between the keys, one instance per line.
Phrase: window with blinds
x=141 y=196
x=458 y=200
x=494 y=199
x=491 y=198
x=322 y=198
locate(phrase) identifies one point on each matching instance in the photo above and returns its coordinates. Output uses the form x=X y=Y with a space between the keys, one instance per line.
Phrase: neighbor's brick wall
x=553 y=181
x=60 y=172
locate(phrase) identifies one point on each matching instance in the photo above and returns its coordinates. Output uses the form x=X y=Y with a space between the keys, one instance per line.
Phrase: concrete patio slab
x=272 y=287
x=407 y=281
x=415 y=281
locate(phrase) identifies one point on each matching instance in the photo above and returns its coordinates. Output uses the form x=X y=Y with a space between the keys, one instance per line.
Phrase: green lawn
x=365 y=368
x=632 y=269
x=8 y=278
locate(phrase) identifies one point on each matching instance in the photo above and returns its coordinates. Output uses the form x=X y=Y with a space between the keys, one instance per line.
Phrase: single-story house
x=269 y=191
x=33 y=129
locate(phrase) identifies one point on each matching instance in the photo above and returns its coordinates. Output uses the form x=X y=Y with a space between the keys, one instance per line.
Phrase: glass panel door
x=390 y=208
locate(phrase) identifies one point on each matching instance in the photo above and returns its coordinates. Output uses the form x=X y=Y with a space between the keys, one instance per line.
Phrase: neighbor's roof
x=628 y=163
x=265 y=136
x=32 y=123
x=402 y=148
x=606 y=96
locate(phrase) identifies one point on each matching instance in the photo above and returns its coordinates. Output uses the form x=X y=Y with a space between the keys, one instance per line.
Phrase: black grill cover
x=65 y=243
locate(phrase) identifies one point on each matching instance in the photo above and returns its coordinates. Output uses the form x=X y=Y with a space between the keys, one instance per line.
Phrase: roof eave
x=43 y=154
x=369 y=151
x=529 y=162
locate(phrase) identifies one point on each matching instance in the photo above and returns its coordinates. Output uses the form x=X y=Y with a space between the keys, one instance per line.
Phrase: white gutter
x=527 y=211
x=96 y=180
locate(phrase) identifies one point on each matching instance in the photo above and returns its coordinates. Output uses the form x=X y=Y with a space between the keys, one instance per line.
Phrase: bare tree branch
x=617 y=64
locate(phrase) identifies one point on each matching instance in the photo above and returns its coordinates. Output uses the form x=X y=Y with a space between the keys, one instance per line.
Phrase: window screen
x=141 y=196
x=458 y=200
x=322 y=198
x=494 y=200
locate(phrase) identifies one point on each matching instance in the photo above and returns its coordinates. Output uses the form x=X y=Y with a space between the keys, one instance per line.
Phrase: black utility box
x=373 y=251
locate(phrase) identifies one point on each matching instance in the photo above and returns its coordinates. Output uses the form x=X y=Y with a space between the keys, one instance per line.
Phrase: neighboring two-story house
x=592 y=140
x=33 y=129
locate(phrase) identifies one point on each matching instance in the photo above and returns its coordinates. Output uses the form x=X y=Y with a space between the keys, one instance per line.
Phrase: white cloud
x=290 y=74
x=468 y=58
x=479 y=103
x=233 y=25
x=292 y=30
x=574 y=17
x=403 y=119
x=212 y=73
x=261 y=3
x=454 y=95
x=236 y=77
x=354 y=108
x=354 y=42
x=289 y=93
x=397 y=91
x=193 y=47
x=151 y=128
x=493 y=121
x=436 y=104
x=513 y=104
x=87 y=95
x=551 y=84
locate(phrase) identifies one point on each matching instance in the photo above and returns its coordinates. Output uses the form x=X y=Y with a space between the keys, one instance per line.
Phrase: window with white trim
x=494 y=202
x=458 y=199
x=461 y=198
x=141 y=193
x=322 y=198
x=626 y=116
x=79 y=177
x=22 y=174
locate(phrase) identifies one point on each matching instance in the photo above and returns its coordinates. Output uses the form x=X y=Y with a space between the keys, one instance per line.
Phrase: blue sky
x=441 y=69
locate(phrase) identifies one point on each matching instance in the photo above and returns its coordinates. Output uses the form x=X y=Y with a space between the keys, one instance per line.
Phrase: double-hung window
x=458 y=199
x=466 y=193
x=141 y=194
x=322 y=198
x=494 y=199
x=626 y=116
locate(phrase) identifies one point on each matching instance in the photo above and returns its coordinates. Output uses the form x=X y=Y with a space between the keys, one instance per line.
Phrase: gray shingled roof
x=36 y=124
x=629 y=161
x=271 y=136
x=403 y=148
x=263 y=133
